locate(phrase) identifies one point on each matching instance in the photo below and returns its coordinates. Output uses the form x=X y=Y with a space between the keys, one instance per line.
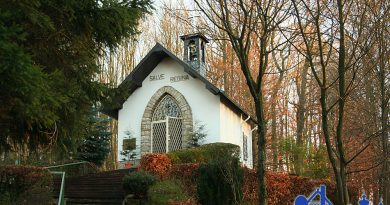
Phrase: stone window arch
x=147 y=118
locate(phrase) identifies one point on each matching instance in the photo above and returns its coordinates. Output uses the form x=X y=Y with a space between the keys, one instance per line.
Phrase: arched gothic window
x=167 y=129
x=166 y=107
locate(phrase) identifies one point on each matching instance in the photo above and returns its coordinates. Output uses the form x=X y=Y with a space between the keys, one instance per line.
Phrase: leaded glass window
x=166 y=107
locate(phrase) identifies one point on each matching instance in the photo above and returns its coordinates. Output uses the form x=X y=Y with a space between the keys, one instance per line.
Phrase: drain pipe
x=255 y=128
x=245 y=119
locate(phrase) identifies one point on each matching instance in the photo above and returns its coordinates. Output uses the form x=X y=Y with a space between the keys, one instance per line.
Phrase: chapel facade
x=168 y=97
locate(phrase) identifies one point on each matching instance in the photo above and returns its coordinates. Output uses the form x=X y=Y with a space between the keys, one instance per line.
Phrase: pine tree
x=48 y=66
x=96 y=146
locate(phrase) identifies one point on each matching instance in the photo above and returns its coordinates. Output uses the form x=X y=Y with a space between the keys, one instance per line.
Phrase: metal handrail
x=61 y=197
x=64 y=165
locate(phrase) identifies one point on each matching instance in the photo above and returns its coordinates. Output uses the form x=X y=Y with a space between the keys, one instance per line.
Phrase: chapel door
x=174 y=133
x=159 y=137
x=167 y=130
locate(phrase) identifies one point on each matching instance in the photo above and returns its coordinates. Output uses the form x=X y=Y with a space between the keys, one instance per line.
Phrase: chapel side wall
x=204 y=105
x=232 y=129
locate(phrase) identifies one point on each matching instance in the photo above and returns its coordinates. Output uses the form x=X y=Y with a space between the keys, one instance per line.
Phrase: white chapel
x=167 y=95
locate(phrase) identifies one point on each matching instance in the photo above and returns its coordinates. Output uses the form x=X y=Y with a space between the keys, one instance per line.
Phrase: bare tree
x=280 y=62
x=300 y=117
x=383 y=76
x=247 y=24
x=342 y=36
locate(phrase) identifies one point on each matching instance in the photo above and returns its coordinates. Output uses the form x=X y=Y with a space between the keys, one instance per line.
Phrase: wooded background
x=292 y=95
x=323 y=64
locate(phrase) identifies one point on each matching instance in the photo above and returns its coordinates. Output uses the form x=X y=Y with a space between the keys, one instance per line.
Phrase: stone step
x=97 y=188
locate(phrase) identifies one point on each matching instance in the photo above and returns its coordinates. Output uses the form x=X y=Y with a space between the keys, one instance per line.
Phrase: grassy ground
x=164 y=191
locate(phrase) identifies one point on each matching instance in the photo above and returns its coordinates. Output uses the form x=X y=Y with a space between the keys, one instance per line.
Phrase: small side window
x=245 y=146
x=203 y=52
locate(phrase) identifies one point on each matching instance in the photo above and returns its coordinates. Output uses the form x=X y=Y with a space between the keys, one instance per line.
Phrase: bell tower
x=195 y=51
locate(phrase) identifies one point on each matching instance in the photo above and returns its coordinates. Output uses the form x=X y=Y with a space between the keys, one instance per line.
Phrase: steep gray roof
x=146 y=66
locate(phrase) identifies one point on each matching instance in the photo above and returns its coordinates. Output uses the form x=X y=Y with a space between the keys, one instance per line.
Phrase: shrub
x=282 y=188
x=138 y=183
x=223 y=163
x=187 y=171
x=187 y=174
x=204 y=153
x=188 y=201
x=21 y=183
x=190 y=155
x=157 y=164
x=220 y=182
x=221 y=151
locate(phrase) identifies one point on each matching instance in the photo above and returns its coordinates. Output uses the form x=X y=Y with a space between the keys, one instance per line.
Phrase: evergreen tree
x=197 y=137
x=96 y=146
x=48 y=66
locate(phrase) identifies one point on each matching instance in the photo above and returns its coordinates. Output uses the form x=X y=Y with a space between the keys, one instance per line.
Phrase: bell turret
x=195 y=51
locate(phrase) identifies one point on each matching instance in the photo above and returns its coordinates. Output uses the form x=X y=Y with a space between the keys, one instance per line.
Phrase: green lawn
x=164 y=191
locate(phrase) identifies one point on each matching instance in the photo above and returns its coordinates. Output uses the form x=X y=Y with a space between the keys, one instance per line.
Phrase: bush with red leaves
x=282 y=189
x=18 y=183
x=187 y=174
x=157 y=164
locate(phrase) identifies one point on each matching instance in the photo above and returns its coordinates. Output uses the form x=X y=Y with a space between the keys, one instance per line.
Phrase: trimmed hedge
x=190 y=155
x=281 y=188
x=204 y=153
x=25 y=185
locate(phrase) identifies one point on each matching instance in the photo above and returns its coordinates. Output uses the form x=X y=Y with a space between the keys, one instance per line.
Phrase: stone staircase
x=97 y=188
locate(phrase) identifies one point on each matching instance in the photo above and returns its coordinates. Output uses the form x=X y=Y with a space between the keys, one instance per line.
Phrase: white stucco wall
x=232 y=129
x=205 y=105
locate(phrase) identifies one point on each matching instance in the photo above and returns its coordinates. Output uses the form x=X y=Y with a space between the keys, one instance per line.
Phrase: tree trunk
x=341 y=104
x=384 y=107
x=261 y=142
x=325 y=129
x=299 y=152
x=274 y=137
